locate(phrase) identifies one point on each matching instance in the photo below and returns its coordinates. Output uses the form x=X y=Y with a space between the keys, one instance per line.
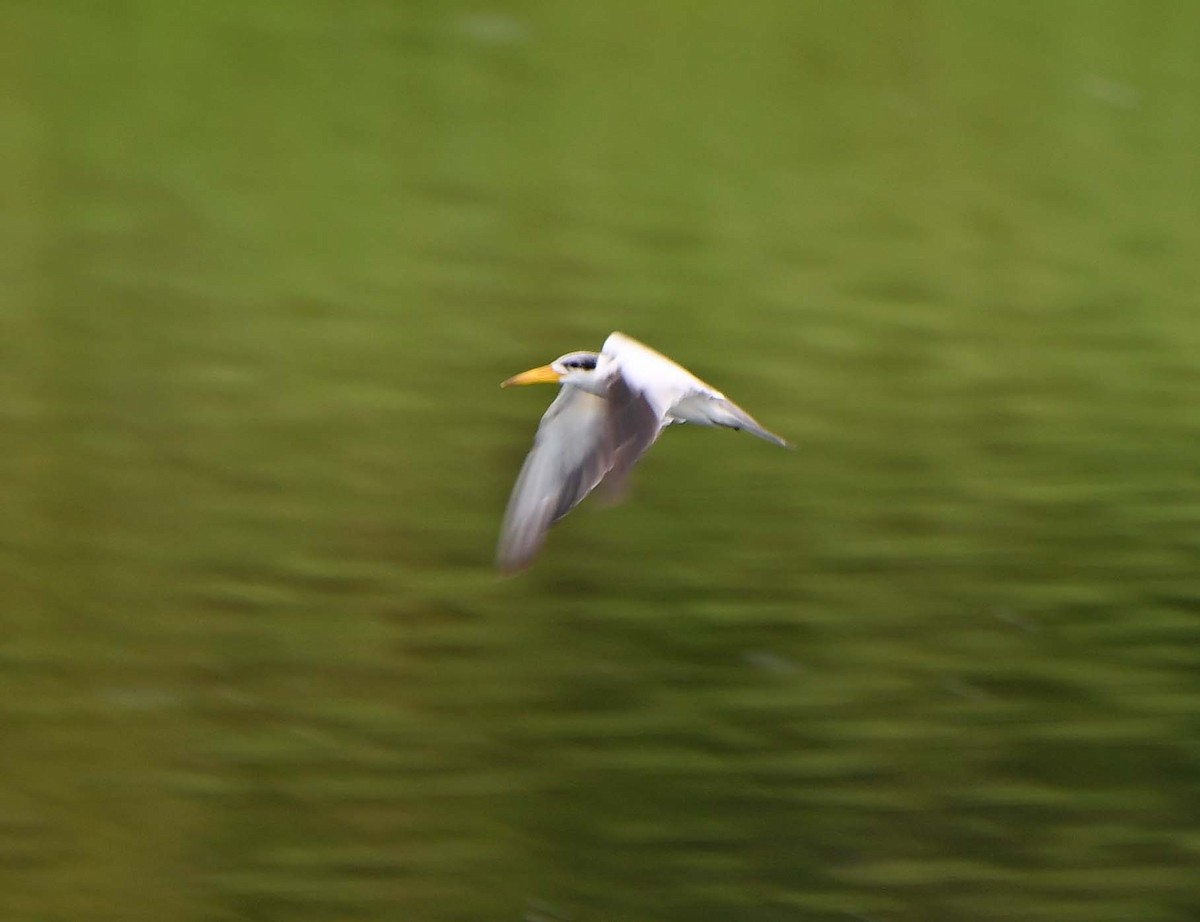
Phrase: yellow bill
x=541 y=375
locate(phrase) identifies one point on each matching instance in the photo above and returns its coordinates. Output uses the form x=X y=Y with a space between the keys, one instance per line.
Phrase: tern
x=610 y=408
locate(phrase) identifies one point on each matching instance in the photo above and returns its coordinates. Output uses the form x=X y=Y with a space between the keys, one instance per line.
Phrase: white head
x=588 y=371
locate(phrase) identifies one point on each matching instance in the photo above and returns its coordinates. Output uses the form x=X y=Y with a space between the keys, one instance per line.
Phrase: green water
x=262 y=267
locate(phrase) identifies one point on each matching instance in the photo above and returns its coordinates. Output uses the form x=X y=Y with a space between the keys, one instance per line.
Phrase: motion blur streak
x=264 y=262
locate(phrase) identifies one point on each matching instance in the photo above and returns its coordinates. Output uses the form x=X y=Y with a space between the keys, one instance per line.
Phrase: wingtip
x=512 y=560
x=768 y=436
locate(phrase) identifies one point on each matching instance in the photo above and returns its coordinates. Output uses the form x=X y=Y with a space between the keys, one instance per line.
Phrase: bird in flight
x=611 y=406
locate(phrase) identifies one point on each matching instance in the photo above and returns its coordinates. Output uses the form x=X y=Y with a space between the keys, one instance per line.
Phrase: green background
x=262 y=267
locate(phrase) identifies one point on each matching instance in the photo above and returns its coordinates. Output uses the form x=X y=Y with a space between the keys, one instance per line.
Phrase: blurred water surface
x=263 y=265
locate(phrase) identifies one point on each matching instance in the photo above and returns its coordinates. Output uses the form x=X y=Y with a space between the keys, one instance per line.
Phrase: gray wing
x=582 y=439
x=636 y=424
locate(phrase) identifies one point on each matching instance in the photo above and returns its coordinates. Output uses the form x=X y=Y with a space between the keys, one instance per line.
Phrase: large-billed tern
x=610 y=408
